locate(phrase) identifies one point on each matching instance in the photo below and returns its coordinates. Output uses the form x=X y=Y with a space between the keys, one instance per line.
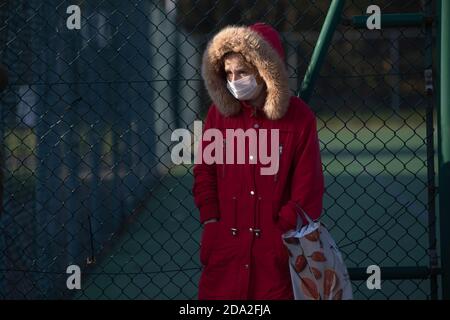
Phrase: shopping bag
x=317 y=269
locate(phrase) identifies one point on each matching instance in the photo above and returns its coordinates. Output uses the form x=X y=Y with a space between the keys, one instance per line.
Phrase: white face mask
x=245 y=88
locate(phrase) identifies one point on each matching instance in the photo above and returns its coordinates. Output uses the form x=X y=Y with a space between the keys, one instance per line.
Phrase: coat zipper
x=280 y=151
x=224 y=161
x=234 y=229
x=257 y=229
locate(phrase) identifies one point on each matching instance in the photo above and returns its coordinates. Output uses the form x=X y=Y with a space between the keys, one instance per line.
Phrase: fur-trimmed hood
x=261 y=46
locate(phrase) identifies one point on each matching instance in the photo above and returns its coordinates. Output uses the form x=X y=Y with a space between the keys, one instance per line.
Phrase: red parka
x=242 y=254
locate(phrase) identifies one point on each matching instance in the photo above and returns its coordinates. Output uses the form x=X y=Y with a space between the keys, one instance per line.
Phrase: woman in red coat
x=244 y=212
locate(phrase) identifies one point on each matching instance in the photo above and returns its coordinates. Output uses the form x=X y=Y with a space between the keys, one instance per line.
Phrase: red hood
x=271 y=36
x=261 y=45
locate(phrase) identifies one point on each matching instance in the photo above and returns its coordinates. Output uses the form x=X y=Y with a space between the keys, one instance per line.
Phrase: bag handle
x=299 y=219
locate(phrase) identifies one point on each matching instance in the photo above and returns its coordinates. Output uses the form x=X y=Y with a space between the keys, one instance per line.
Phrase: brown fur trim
x=259 y=53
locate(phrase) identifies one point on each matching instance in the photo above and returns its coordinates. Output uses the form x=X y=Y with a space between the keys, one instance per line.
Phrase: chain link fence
x=86 y=123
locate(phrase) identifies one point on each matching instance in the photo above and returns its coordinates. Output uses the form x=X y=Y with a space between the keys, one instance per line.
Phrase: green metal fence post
x=430 y=91
x=320 y=50
x=444 y=139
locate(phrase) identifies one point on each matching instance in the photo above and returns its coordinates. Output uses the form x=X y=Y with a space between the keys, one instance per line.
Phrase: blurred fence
x=85 y=127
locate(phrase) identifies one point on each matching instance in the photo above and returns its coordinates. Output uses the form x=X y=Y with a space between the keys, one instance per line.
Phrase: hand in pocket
x=207 y=241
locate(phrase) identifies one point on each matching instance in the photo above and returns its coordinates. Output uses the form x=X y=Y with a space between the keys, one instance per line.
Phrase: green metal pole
x=331 y=21
x=427 y=6
x=443 y=11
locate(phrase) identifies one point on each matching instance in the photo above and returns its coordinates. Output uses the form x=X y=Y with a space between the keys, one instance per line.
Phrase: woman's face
x=236 y=67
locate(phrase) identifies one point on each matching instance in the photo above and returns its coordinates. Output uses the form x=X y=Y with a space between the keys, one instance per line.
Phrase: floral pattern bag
x=317 y=269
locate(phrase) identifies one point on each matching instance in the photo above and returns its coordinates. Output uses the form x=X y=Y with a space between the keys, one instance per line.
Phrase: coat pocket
x=280 y=250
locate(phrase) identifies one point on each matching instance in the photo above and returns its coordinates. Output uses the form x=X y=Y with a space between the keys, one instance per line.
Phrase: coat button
x=256 y=126
x=252 y=193
x=246 y=266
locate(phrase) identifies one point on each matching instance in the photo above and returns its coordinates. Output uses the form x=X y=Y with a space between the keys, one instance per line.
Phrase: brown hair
x=246 y=63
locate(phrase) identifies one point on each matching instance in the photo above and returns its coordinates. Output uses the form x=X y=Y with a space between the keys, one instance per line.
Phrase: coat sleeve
x=205 y=180
x=307 y=186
